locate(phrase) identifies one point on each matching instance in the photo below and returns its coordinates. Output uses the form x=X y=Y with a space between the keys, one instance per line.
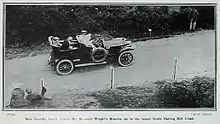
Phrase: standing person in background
x=192 y=16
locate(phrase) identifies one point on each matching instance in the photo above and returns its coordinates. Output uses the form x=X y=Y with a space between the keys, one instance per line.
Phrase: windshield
x=106 y=37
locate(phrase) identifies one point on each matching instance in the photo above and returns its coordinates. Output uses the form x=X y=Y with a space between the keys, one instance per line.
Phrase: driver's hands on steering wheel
x=98 y=42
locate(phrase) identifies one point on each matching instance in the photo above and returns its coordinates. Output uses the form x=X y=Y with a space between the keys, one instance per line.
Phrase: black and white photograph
x=109 y=56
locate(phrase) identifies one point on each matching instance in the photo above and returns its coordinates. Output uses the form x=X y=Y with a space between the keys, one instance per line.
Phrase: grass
x=197 y=92
x=127 y=97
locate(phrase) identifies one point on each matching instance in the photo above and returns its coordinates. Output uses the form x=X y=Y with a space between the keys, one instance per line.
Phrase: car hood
x=115 y=42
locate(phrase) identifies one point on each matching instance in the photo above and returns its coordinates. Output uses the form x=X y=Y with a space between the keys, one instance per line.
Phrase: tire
x=125 y=58
x=64 y=67
x=96 y=57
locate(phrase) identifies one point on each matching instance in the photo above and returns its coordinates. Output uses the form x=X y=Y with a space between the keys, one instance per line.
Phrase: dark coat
x=35 y=99
x=65 y=45
x=193 y=14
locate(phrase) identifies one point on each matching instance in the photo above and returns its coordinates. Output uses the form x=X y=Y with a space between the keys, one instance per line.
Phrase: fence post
x=111 y=77
x=175 y=69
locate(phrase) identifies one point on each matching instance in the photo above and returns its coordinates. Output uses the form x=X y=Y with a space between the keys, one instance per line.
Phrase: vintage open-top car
x=106 y=50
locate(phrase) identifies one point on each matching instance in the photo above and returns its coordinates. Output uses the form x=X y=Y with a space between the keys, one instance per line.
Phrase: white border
x=19 y=117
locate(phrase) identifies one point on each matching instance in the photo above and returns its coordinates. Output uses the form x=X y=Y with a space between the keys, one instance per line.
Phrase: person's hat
x=56 y=38
x=17 y=85
x=70 y=38
x=83 y=31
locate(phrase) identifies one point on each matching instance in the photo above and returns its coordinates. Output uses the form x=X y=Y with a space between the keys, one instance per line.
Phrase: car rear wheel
x=125 y=59
x=64 y=67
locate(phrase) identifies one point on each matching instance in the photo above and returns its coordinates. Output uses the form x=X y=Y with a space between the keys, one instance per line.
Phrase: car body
x=112 y=50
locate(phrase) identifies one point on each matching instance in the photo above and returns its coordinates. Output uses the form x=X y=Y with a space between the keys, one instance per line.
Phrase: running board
x=90 y=64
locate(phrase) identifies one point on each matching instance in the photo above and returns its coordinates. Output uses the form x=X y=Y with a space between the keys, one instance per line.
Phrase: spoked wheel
x=125 y=59
x=64 y=67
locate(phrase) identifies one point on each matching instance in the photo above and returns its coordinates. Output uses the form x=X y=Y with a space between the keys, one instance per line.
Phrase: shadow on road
x=88 y=68
x=83 y=69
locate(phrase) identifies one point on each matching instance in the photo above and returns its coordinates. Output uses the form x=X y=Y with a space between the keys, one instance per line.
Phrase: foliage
x=205 y=18
x=126 y=97
x=30 y=24
x=197 y=92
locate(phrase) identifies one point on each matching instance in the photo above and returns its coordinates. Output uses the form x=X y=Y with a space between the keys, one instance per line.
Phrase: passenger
x=43 y=88
x=66 y=44
x=85 y=38
x=56 y=41
x=70 y=39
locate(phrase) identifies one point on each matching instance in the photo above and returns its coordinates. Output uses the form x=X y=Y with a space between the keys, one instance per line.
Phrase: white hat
x=83 y=31
x=70 y=38
x=56 y=38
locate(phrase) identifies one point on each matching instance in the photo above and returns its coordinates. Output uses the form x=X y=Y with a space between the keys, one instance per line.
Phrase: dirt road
x=154 y=60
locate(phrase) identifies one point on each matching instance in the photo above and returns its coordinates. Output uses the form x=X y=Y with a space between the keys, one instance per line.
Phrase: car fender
x=127 y=48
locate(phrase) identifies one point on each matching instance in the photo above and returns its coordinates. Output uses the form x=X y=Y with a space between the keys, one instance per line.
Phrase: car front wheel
x=125 y=59
x=64 y=67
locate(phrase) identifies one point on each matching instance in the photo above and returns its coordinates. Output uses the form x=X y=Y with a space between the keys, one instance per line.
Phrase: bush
x=126 y=97
x=197 y=92
x=180 y=20
x=27 y=24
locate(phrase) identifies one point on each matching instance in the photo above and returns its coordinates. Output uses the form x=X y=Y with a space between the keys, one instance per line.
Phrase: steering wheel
x=98 y=42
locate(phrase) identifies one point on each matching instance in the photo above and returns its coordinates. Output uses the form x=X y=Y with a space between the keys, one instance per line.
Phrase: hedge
x=31 y=24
